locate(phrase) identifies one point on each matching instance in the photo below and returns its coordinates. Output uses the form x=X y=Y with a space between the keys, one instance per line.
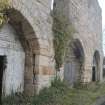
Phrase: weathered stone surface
x=85 y=15
x=34 y=53
x=33 y=25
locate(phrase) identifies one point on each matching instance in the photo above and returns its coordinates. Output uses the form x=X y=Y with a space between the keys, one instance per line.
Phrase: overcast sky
x=102 y=4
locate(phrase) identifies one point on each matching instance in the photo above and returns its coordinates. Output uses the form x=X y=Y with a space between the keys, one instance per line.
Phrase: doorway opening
x=74 y=62
x=2 y=68
x=96 y=67
x=93 y=74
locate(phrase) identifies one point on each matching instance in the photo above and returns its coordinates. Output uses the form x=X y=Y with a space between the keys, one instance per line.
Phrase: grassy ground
x=60 y=94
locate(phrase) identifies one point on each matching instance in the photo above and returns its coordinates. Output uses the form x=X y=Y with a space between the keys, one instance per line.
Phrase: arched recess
x=74 y=63
x=96 y=66
x=104 y=67
x=30 y=45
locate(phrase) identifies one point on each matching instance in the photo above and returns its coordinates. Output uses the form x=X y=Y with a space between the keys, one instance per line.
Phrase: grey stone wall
x=32 y=21
x=85 y=15
x=38 y=15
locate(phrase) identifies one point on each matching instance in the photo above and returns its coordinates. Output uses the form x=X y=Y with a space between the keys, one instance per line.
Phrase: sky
x=102 y=5
x=52 y=1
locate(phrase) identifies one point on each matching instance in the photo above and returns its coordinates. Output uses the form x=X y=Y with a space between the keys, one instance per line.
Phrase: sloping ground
x=60 y=94
x=100 y=101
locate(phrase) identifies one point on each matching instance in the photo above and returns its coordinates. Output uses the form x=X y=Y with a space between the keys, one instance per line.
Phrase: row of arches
x=25 y=41
x=74 y=66
x=75 y=62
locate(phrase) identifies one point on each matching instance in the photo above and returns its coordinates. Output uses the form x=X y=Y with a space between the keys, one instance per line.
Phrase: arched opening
x=74 y=63
x=96 y=66
x=104 y=67
x=21 y=47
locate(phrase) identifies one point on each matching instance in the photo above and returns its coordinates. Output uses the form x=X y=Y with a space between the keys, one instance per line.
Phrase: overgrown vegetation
x=60 y=94
x=4 y=4
x=63 y=31
x=16 y=99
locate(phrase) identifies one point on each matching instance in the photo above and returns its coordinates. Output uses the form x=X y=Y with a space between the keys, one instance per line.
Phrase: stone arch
x=74 y=63
x=96 y=66
x=24 y=28
x=30 y=44
x=103 y=67
x=42 y=27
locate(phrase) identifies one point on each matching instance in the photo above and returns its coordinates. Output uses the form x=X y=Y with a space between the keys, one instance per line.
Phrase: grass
x=60 y=94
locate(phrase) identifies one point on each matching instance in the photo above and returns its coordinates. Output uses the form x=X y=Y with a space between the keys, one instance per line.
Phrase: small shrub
x=4 y=4
x=16 y=99
x=60 y=94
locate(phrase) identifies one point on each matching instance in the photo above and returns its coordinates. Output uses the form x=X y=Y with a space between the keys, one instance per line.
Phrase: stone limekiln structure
x=26 y=44
x=85 y=55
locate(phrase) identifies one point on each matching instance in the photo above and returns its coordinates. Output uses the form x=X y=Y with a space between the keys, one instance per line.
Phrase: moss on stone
x=63 y=32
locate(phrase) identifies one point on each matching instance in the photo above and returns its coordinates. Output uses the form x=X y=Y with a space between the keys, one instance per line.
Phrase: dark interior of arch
x=3 y=64
x=77 y=49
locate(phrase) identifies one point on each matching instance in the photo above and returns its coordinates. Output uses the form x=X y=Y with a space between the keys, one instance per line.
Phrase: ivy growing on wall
x=4 y=4
x=63 y=31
